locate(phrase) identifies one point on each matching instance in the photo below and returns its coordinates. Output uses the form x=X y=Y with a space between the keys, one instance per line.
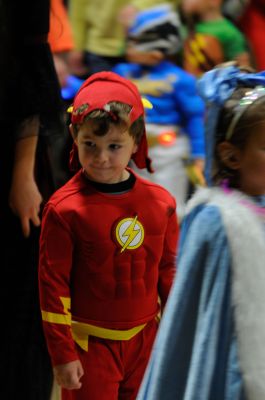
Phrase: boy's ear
x=135 y=148
x=229 y=155
x=71 y=129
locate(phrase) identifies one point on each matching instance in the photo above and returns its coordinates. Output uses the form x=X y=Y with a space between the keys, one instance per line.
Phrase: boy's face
x=148 y=58
x=104 y=158
x=195 y=7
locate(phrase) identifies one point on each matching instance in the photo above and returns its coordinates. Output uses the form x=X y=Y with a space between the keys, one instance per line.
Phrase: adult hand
x=24 y=197
x=25 y=200
x=75 y=59
x=61 y=68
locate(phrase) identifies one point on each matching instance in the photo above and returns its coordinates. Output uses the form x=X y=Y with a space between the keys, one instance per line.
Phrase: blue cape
x=195 y=353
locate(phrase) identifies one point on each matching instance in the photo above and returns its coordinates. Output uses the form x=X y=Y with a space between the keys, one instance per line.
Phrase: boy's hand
x=68 y=375
x=199 y=164
x=194 y=170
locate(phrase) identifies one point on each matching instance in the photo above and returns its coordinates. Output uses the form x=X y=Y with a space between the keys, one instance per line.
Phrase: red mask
x=99 y=90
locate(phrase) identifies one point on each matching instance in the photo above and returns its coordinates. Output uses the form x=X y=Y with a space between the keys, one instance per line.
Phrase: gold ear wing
x=146 y=103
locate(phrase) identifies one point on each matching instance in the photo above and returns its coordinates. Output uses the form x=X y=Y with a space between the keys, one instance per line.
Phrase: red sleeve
x=55 y=264
x=167 y=267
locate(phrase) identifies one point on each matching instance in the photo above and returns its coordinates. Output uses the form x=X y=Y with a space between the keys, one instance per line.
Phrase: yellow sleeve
x=79 y=18
x=144 y=4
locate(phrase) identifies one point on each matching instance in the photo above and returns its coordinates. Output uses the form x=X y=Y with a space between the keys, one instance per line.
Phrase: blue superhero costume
x=174 y=97
x=176 y=108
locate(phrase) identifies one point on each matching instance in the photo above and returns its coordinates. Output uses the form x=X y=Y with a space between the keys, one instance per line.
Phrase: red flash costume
x=104 y=261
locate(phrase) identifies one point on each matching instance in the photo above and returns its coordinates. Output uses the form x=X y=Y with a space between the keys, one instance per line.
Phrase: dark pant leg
x=25 y=368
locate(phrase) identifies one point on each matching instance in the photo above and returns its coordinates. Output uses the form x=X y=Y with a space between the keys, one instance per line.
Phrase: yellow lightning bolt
x=131 y=233
x=153 y=87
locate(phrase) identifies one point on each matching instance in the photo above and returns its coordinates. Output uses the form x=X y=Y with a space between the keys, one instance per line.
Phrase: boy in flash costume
x=107 y=249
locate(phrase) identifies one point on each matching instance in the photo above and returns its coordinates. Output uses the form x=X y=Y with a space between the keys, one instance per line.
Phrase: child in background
x=211 y=38
x=210 y=341
x=175 y=123
x=107 y=249
x=99 y=31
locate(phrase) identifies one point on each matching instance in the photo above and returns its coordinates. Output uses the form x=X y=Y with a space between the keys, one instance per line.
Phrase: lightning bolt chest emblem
x=129 y=233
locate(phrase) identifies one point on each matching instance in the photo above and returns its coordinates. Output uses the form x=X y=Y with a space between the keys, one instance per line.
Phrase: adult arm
x=24 y=197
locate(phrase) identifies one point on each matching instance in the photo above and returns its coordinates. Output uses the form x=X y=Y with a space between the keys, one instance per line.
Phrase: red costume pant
x=113 y=368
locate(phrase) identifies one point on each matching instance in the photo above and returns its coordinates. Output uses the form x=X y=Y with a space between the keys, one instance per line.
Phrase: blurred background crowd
x=163 y=47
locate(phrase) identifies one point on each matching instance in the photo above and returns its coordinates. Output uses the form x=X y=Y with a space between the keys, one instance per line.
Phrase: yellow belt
x=82 y=331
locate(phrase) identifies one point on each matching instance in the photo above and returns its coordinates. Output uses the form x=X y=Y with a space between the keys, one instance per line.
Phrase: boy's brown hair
x=117 y=114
